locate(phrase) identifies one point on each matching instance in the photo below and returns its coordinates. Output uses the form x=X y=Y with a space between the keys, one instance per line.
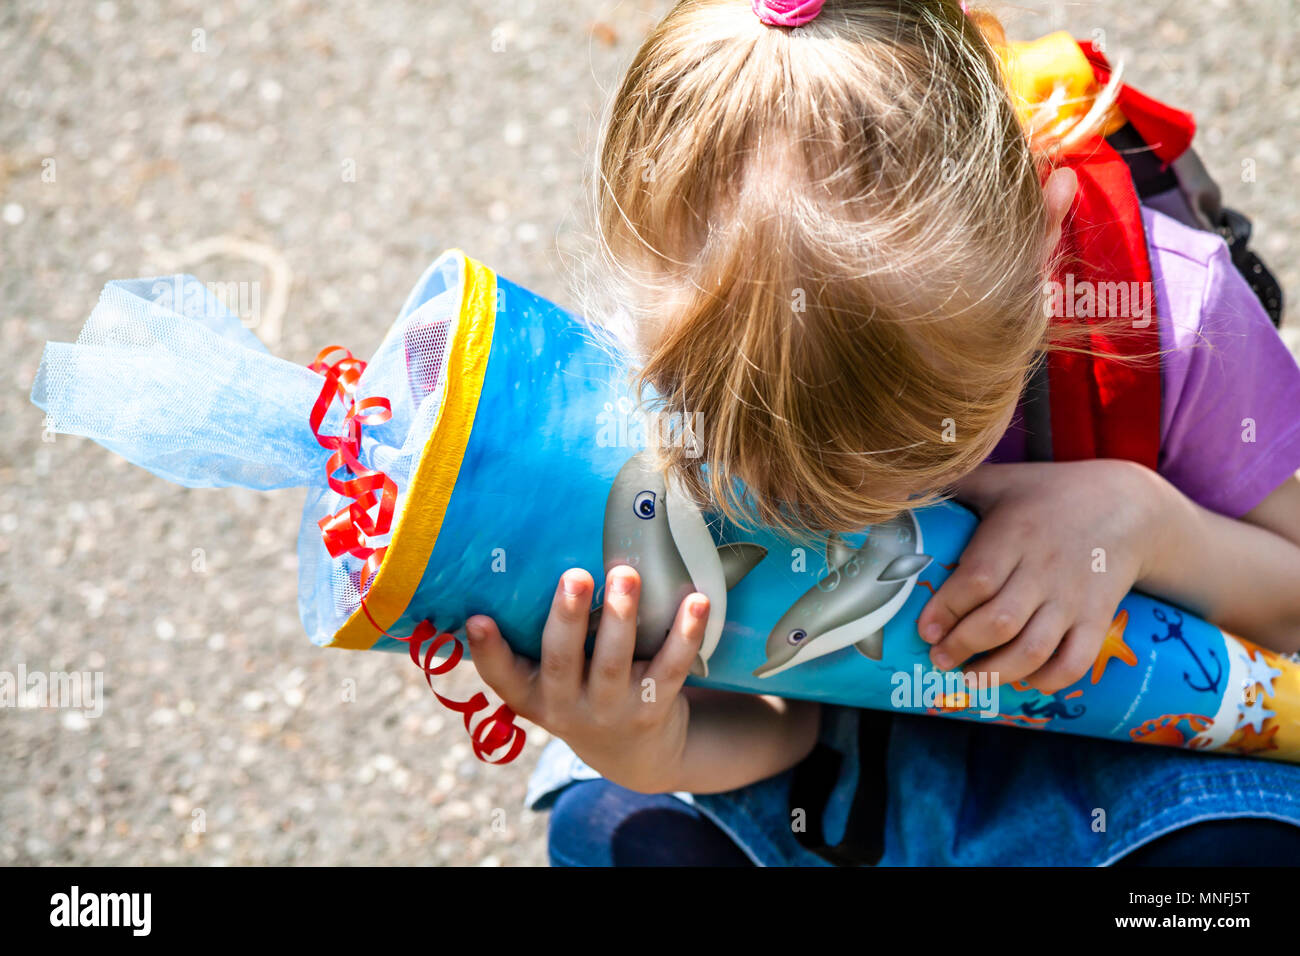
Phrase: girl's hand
x=627 y=719
x=1058 y=547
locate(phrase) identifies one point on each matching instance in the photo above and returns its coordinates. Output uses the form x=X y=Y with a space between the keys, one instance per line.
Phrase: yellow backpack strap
x=1052 y=83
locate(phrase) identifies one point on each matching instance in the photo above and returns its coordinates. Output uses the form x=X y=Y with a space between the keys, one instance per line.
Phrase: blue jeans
x=598 y=823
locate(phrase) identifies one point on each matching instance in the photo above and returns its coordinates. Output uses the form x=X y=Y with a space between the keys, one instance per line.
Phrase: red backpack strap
x=1166 y=130
x=1096 y=407
x=1101 y=408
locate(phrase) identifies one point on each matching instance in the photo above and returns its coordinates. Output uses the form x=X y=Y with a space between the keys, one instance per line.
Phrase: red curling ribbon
x=349 y=530
x=493 y=731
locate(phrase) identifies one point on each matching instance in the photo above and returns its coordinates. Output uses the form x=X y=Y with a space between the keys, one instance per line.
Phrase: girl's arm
x=1242 y=575
x=738 y=739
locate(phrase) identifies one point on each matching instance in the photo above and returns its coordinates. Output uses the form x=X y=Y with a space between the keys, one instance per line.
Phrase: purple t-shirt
x=1230 y=422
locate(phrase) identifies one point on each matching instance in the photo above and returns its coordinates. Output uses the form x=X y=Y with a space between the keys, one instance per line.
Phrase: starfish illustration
x=1250 y=742
x=1261 y=672
x=1113 y=646
x=1254 y=714
x=1272 y=657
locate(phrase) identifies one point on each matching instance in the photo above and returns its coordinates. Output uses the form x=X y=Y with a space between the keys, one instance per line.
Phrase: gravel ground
x=351 y=143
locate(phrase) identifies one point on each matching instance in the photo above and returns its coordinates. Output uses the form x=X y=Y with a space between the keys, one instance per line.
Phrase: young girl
x=863 y=159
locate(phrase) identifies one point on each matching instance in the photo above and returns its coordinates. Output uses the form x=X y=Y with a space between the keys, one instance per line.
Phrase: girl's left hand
x=1057 y=548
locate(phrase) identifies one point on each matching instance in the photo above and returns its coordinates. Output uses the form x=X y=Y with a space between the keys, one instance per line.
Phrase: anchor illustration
x=1052 y=706
x=1175 y=633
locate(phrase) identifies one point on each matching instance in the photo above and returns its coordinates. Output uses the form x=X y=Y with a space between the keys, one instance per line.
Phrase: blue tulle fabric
x=191 y=395
x=166 y=376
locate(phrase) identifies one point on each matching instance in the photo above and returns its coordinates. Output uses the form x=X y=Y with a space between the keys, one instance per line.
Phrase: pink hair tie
x=787 y=13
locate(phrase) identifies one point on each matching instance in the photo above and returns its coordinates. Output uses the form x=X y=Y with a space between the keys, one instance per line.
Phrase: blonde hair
x=831 y=244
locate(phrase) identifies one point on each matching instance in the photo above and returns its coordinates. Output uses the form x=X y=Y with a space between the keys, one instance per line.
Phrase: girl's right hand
x=626 y=719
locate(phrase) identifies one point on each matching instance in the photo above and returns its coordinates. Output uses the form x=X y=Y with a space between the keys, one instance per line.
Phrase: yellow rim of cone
x=435 y=476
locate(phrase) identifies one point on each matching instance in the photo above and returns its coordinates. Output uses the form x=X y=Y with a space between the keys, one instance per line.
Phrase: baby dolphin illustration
x=861 y=592
x=656 y=529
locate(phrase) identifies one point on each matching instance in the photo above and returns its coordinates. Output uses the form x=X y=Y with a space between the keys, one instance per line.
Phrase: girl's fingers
x=997 y=621
x=985 y=567
x=564 y=637
x=506 y=673
x=611 y=658
x=672 y=664
x=1072 y=660
x=1028 y=652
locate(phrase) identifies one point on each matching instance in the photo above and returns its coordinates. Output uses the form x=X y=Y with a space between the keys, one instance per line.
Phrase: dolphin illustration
x=656 y=529
x=861 y=592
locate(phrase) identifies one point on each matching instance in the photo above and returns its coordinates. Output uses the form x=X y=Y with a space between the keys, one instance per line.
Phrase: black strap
x=1036 y=408
x=812 y=781
x=1235 y=230
x=1151 y=177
